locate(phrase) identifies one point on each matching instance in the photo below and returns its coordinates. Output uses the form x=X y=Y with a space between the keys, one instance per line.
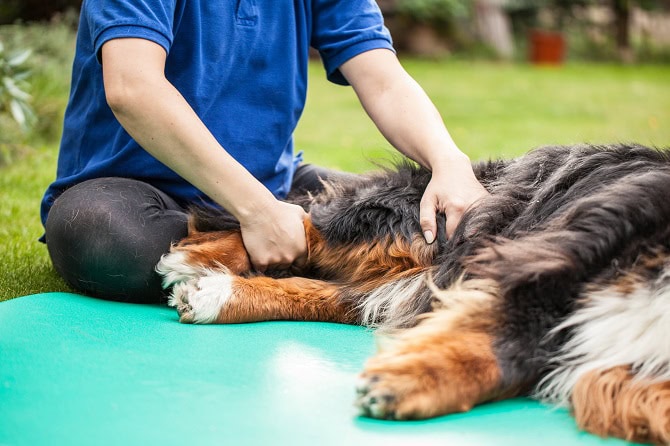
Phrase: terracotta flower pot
x=546 y=47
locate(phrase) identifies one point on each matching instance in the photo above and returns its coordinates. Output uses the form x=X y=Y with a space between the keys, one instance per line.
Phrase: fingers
x=451 y=197
x=427 y=219
x=277 y=238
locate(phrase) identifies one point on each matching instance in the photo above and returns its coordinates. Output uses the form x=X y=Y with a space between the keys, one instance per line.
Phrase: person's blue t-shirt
x=241 y=65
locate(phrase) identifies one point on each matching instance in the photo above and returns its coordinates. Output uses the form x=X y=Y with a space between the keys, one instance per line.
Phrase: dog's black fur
x=560 y=222
x=597 y=207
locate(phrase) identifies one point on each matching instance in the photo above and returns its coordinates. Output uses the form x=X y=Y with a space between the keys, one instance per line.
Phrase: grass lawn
x=491 y=109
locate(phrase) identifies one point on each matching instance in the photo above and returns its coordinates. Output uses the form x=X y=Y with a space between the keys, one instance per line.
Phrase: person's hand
x=275 y=237
x=452 y=192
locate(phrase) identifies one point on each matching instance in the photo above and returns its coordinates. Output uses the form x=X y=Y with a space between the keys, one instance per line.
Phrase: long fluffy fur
x=573 y=246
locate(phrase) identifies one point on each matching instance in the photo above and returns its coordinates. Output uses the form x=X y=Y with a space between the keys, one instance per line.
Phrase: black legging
x=106 y=235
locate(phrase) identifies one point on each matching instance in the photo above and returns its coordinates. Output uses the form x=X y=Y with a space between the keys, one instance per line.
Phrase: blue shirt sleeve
x=145 y=19
x=342 y=29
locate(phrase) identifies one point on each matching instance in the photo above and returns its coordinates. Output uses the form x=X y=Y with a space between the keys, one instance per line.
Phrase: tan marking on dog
x=217 y=251
x=612 y=402
x=296 y=298
x=369 y=265
x=630 y=281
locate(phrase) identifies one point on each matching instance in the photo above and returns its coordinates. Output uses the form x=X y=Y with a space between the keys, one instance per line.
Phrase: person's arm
x=156 y=115
x=410 y=122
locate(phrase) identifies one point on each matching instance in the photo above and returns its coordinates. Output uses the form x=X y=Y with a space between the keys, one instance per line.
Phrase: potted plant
x=546 y=33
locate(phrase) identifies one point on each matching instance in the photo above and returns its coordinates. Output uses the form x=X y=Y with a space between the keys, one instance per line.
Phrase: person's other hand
x=275 y=237
x=452 y=192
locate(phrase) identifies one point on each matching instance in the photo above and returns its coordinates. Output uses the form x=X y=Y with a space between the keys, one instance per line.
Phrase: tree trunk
x=622 y=18
x=494 y=27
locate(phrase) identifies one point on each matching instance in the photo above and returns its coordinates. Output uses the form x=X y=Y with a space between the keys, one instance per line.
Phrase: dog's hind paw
x=427 y=375
x=201 y=300
x=409 y=394
x=375 y=402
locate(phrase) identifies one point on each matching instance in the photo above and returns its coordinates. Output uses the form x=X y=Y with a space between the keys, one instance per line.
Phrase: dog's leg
x=201 y=253
x=223 y=298
x=443 y=365
x=363 y=265
x=613 y=402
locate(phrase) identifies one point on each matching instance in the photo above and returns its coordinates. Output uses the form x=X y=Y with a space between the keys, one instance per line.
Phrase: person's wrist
x=448 y=160
x=253 y=208
x=440 y=152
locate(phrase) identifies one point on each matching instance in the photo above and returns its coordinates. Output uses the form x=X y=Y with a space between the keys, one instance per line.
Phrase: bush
x=49 y=64
x=14 y=98
x=437 y=12
x=34 y=10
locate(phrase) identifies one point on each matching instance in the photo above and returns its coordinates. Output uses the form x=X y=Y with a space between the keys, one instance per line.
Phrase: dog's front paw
x=175 y=269
x=202 y=300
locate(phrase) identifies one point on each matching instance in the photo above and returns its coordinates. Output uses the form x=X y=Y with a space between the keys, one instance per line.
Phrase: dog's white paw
x=200 y=300
x=175 y=269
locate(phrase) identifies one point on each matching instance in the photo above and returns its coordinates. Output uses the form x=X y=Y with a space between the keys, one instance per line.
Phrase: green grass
x=25 y=264
x=495 y=110
x=491 y=110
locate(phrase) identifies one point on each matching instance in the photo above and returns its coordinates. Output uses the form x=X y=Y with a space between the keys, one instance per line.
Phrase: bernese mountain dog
x=556 y=286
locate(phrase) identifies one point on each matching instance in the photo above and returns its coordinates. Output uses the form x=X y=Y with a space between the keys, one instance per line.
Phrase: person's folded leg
x=106 y=235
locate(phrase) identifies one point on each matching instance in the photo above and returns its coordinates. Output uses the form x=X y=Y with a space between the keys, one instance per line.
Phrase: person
x=177 y=102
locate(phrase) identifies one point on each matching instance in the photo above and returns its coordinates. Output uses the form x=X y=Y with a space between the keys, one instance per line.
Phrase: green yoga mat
x=80 y=371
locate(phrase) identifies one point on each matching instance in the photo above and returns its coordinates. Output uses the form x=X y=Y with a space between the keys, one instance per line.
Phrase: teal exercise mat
x=81 y=371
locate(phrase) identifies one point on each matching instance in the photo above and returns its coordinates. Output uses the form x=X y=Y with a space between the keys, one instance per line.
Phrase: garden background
x=609 y=83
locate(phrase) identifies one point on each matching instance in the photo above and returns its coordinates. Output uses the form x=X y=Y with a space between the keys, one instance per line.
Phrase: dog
x=557 y=286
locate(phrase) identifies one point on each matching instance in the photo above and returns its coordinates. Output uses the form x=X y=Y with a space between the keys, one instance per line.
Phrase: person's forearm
x=401 y=110
x=155 y=114
x=161 y=121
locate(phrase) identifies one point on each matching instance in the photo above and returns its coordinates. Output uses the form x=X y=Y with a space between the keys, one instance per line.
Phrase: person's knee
x=106 y=243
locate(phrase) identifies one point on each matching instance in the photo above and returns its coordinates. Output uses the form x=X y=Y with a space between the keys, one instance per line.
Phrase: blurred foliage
x=51 y=49
x=434 y=11
x=34 y=10
x=527 y=12
x=14 y=99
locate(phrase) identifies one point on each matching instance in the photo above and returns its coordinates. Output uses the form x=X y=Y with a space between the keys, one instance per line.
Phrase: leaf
x=18 y=114
x=18 y=59
x=21 y=76
x=13 y=90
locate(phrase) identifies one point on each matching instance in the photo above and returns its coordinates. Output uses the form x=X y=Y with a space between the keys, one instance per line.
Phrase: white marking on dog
x=391 y=305
x=174 y=269
x=203 y=298
x=614 y=329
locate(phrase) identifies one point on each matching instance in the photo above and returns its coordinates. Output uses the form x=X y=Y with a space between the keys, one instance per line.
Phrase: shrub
x=13 y=85
x=437 y=12
x=49 y=64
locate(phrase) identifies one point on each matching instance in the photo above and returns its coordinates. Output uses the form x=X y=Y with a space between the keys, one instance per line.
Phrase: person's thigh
x=106 y=235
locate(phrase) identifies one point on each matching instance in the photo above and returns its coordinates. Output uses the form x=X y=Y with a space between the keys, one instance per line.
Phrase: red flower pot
x=546 y=47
